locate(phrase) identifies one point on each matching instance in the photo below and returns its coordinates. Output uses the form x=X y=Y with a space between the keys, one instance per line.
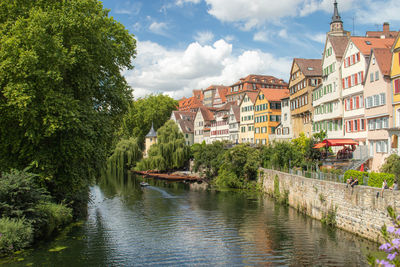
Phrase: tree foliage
x=61 y=89
x=208 y=158
x=170 y=152
x=143 y=112
x=392 y=165
x=125 y=156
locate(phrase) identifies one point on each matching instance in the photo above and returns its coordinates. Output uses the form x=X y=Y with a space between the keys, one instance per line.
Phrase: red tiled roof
x=365 y=48
x=339 y=44
x=260 y=78
x=187 y=104
x=212 y=87
x=384 y=58
x=179 y=114
x=222 y=91
x=275 y=94
x=252 y=96
x=309 y=67
x=206 y=113
x=236 y=112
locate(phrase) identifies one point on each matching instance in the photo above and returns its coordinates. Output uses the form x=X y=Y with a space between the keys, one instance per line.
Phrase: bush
x=228 y=179
x=356 y=174
x=53 y=218
x=19 y=194
x=376 y=179
x=392 y=165
x=15 y=234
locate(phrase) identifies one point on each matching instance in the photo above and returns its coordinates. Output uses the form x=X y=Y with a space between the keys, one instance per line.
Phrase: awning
x=340 y=142
x=319 y=145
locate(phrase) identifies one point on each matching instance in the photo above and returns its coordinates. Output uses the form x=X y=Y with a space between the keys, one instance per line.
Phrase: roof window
x=368 y=42
x=310 y=68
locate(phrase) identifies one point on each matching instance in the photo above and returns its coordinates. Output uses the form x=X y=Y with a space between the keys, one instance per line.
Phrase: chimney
x=386 y=28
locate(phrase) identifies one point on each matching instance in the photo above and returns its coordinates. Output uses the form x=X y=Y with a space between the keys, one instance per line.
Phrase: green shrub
x=392 y=165
x=276 y=187
x=15 y=234
x=356 y=174
x=376 y=179
x=19 y=194
x=228 y=179
x=53 y=218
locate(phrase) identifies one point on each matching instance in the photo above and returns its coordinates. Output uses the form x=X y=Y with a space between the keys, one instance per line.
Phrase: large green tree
x=61 y=89
x=169 y=153
x=143 y=112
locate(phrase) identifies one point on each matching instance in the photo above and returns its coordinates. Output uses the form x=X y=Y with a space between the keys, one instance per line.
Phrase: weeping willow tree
x=170 y=152
x=125 y=156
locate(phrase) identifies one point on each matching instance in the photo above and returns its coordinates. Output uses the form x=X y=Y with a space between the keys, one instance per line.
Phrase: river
x=175 y=224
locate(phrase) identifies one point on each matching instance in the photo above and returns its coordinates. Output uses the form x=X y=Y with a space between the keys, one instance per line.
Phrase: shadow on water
x=168 y=224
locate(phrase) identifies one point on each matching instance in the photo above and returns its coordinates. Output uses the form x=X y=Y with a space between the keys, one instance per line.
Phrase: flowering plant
x=391 y=246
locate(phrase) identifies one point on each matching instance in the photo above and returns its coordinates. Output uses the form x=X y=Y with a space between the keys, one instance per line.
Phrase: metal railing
x=318 y=175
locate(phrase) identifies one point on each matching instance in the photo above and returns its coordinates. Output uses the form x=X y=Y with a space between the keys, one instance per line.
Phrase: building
x=394 y=132
x=189 y=104
x=234 y=123
x=185 y=122
x=202 y=124
x=305 y=76
x=267 y=113
x=284 y=130
x=353 y=67
x=385 y=33
x=378 y=106
x=220 y=124
x=246 y=106
x=327 y=103
x=253 y=83
x=215 y=96
x=150 y=139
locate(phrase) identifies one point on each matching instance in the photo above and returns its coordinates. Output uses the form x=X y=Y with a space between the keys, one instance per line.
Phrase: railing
x=332 y=177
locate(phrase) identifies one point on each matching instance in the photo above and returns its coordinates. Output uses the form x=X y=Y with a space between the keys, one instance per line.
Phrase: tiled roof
x=236 y=111
x=378 y=34
x=186 y=126
x=207 y=114
x=384 y=58
x=212 y=87
x=309 y=67
x=187 y=104
x=198 y=94
x=180 y=114
x=252 y=96
x=222 y=91
x=365 y=44
x=260 y=78
x=275 y=94
x=339 y=44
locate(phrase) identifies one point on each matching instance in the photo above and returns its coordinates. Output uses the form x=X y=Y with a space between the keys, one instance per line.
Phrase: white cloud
x=128 y=8
x=178 y=72
x=383 y=11
x=318 y=37
x=229 y=38
x=182 y=2
x=261 y=36
x=204 y=37
x=158 y=28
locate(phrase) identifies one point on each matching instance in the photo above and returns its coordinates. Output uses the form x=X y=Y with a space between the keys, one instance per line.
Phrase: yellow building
x=305 y=75
x=151 y=138
x=395 y=77
x=267 y=113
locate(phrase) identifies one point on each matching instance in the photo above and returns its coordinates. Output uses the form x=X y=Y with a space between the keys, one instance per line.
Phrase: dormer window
x=368 y=42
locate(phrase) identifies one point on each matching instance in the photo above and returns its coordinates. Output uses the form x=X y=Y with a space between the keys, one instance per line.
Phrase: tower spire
x=336 y=23
x=336 y=17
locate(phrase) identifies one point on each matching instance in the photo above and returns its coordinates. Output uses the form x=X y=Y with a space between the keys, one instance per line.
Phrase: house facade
x=267 y=113
x=246 y=134
x=185 y=122
x=284 y=130
x=305 y=75
x=219 y=130
x=202 y=124
x=378 y=106
x=234 y=124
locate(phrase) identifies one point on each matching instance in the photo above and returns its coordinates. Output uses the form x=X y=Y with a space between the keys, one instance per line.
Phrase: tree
x=208 y=158
x=392 y=165
x=143 y=112
x=170 y=152
x=61 y=90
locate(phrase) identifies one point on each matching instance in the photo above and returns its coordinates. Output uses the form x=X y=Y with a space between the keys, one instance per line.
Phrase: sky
x=191 y=44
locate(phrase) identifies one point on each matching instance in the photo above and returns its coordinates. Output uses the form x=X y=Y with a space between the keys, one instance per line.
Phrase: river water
x=175 y=224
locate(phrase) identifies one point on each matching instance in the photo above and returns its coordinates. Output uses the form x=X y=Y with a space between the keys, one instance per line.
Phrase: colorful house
x=305 y=75
x=395 y=80
x=267 y=113
x=378 y=106
x=185 y=122
x=284 y=130
x=246 y=106
x=215 y=96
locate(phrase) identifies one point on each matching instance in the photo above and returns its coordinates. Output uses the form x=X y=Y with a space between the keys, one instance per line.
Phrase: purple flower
x=384 y=263
x=385 y=246
x=396 y=242
x=390 y=229
x=397 y=232
x=392 y=256
x=398 y=218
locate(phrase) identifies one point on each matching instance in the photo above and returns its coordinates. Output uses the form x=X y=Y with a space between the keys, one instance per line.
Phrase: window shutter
x=358 y=56
x=397 y=86
x=351 y=104
x=362 y=76
x=343 y=83
x=357 y=102
x=351 y=126
x=354 y=58
x=356 y=78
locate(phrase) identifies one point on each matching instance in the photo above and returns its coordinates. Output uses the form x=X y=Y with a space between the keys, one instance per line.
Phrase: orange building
x=267 y=113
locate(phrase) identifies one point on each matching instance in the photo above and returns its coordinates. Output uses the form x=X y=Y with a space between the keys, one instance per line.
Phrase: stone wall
x=358 y=210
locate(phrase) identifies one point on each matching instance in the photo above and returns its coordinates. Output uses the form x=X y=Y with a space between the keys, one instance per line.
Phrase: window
x=371 y=77
x=383 y=99
x=376 y=75
x=376 y=100
x=397 y=86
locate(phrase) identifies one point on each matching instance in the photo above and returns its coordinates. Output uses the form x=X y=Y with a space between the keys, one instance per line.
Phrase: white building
x=220 y=124
x=234 y=124
x=284 y=131
x=246 y=106
x=185 y=122
x=202 y=124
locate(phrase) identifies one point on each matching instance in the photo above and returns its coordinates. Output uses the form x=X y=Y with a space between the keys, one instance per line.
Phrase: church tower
x=336 y=23
x=151 y=138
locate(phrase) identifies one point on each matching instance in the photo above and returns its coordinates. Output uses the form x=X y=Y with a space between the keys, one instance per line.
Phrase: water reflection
x=169 y=224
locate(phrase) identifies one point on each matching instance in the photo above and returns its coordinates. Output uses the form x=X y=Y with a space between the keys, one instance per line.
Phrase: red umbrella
x=362 y=168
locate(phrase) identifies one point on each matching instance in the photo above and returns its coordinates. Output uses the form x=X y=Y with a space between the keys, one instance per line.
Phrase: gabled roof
x=365 y=44
x=214 y=87
x=206 y=113
x=309 y=67
x=274 y=94
x=198 y=94
x=236 y=112
x=339 y=44
x=179 y=115
x=186 y=126
x=384 y=58
x=222 y=91
x=186 y=104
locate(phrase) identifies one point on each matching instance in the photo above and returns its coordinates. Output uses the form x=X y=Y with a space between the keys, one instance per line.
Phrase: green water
x=175 y=224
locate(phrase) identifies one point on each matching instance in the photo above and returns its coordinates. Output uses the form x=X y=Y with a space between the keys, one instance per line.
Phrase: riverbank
x=357 y=210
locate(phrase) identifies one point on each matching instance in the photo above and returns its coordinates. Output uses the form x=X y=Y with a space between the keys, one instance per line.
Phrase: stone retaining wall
x=358 y=210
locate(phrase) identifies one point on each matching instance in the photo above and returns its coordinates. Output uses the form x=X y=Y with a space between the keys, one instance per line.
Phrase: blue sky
x=190 y=44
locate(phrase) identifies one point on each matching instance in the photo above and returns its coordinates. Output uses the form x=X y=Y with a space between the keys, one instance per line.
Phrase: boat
x=144 y=184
